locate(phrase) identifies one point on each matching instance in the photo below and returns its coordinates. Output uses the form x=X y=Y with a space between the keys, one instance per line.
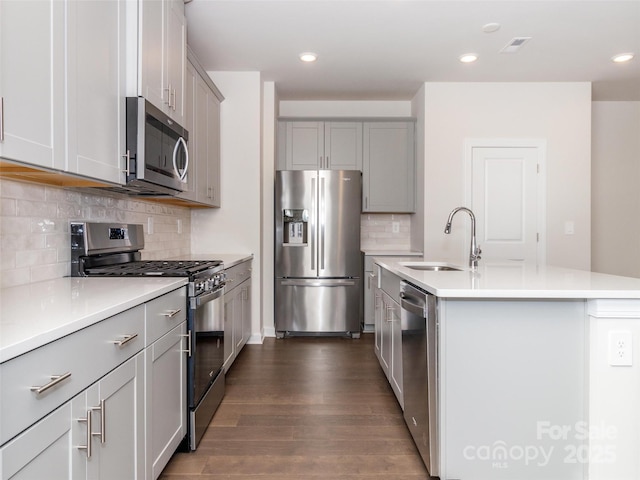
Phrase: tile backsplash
x=34 y=227
x=377 y=231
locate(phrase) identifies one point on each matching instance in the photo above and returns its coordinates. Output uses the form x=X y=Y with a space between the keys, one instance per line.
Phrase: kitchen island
x=535 y=372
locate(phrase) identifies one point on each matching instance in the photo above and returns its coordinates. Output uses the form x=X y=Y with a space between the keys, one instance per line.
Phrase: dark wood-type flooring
x=304 y=408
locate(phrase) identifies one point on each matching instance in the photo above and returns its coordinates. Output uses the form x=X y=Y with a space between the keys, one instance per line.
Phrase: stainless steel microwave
x=157 y=159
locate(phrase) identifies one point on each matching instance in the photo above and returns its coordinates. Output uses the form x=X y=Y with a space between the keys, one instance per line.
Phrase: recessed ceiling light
x=490 y=27
x=468 y=58
x=308 y=57
x=622 y=57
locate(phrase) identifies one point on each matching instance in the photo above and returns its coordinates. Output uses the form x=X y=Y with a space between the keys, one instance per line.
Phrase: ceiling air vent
x=515 y=44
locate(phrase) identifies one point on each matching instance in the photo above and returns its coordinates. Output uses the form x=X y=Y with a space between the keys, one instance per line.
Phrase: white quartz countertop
x=228 y=259
x=513 y=280
x=36 y=314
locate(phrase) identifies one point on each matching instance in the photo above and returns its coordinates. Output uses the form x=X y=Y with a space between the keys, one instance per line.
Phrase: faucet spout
x=474 y=250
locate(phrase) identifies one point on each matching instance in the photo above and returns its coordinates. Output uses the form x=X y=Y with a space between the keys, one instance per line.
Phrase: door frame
x=538 y=143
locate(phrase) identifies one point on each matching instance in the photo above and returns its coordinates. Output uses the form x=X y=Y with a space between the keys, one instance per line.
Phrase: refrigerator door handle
x=322 y=214
x=293 y=282
x=314 y=219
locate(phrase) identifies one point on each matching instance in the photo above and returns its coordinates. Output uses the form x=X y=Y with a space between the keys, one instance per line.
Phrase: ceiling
x=386 y=49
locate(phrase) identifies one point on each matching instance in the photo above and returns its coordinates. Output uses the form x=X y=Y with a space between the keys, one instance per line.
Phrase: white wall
x=560 y=113
x=235 y=228
x=615 y=196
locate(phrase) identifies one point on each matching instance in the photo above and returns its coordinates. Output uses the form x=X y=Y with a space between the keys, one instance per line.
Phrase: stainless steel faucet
x=474 y=252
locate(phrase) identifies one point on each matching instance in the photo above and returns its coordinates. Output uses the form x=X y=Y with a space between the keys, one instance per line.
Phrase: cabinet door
x=304 y=145
x=189 y=122
x=378 y=319
x=118 y=401
x=238 y=330
x=229 y=342
x=385 y=337
x=395 y=370
x=246 y=312
x=369 y=304
x=342 y=146
x=213 y=150
x=32 y=76
x=96 y=85
x=166 y=398
x=176 y=55
x=200 y=145
x=43 y=451
x=388 y=167
x=152 y=53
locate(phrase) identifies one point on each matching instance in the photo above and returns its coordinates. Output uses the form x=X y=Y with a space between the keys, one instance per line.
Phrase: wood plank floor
x=304 y=408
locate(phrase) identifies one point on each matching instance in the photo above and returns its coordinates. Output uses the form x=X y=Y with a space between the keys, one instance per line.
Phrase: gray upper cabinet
x=388 y=167
x=62 y=104
x=32 y=75
x=162 y=55
x=311 y=145
x=202 y=120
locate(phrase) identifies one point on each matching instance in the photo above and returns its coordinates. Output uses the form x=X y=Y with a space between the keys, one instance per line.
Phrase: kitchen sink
x=431 y=267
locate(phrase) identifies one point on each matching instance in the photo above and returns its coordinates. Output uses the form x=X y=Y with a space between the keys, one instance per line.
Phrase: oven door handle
x=206 y=298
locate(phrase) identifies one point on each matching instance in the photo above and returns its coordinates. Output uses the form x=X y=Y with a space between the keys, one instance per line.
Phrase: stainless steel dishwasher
x=420 y=371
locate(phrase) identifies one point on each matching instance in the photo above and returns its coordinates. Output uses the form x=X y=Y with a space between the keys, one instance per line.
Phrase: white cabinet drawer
x=165 y=313
x=86 y=355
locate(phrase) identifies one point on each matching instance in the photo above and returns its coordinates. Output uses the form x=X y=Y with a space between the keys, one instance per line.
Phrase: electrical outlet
x=395 y=227
x=149 y=225
x=620 y=349
x=179 y=225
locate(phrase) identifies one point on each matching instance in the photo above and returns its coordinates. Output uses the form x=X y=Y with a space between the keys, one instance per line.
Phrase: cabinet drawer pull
x=103 y=422
x=86 y=447
x=188 y=337
x=55 y=380
x=125 y=340
x=172 y=313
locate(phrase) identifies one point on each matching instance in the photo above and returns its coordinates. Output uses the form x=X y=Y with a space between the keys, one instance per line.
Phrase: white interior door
x=505 y=194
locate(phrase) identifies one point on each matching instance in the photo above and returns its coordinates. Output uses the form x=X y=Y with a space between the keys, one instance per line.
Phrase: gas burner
x=160 y=268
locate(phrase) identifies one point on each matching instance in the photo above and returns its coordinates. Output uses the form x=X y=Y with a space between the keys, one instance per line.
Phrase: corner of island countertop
x=511 y=280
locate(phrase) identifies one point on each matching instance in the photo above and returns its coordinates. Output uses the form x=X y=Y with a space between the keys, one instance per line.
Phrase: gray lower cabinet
x=237 y=311
x=166 y=422
x=115 y=410
x=388 y=334
x=388 y=167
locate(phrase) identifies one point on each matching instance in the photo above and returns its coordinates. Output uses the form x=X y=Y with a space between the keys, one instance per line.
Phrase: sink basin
x=431 y=267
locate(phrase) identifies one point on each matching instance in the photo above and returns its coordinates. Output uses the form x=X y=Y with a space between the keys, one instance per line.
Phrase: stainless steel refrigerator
x=317 y=252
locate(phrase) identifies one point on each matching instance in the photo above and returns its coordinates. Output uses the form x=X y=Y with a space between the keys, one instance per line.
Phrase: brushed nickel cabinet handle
x=188 y=337
x=126 y=339
x=103 y=422
x=127 y=163
x=55 y=380
x=172 y=313
x=86 y=447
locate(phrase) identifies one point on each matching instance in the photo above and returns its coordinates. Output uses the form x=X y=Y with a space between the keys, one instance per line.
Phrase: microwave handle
x=175 y=156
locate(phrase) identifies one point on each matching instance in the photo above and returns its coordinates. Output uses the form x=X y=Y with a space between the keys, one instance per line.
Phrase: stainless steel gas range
x=113 y=249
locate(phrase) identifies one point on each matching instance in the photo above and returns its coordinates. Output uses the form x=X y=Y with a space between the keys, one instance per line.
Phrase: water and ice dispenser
x=295 y=227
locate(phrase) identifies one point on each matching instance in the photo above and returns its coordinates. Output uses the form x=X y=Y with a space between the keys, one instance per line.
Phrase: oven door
x=206 y=378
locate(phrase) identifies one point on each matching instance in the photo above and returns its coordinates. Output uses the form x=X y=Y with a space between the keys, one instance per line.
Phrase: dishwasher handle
x=412 y=307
